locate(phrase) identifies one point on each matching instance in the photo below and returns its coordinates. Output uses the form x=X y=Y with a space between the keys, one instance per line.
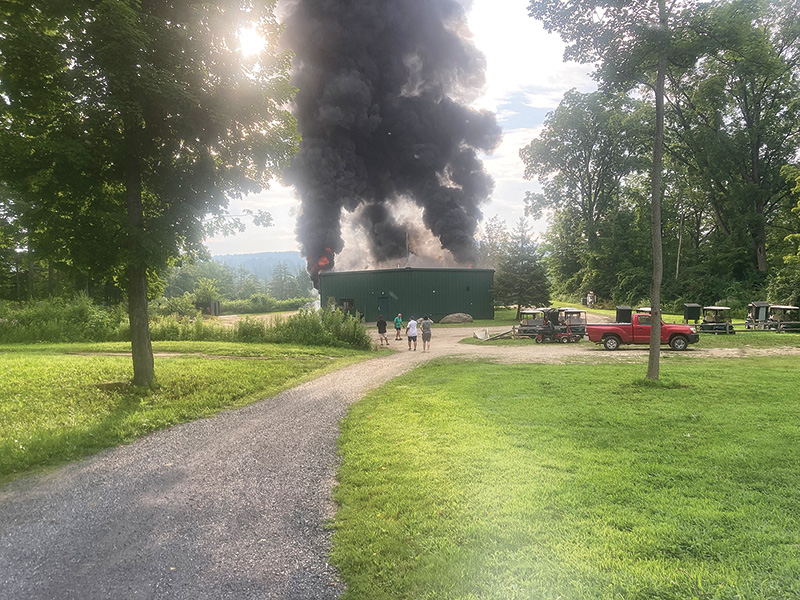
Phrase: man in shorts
x=425 y=325
x=382 y=330
x=411 y=332
x=398 y=325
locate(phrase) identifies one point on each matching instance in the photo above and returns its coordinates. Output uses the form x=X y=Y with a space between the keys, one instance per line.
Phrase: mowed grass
x=53 y=411
x=466 y=480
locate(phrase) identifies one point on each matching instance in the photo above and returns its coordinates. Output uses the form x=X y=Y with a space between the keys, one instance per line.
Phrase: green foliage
x=205 y=290
x=521 y=278
x=58 y=320
x=327 y=327
x=82 y=320
x=262 y=303
x=783 y=286
x=133 y=121
x=178 y=306
x=728 y=214
x=588 y=484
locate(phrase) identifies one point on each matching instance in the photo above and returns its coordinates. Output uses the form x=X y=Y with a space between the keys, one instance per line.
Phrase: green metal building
x=411 y=291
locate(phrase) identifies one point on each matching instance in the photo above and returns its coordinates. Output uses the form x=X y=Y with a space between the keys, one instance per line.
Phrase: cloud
x=522 y=56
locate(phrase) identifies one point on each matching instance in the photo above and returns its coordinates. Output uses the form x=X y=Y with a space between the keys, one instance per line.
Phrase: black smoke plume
x=381 y=106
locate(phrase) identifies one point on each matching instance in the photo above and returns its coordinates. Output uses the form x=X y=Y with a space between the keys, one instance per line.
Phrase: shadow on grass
x=641 y=385
x=131 y=417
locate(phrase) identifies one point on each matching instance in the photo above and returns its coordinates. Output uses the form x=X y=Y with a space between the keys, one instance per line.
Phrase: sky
x=526 y=79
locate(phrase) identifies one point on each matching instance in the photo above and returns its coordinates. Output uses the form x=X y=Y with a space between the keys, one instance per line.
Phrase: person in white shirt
x=411 y=332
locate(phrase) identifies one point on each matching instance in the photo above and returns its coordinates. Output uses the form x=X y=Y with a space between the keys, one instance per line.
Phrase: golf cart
x=531 y=322
x=716 y=320
x=546 y=325
x=575 y=318
x=784 y=318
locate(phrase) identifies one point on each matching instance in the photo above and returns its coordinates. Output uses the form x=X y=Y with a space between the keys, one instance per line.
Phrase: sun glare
x=250 y=41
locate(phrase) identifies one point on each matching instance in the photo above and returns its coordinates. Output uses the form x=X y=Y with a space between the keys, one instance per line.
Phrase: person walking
x=425 y=325
x=382 y=330
x=398 y=325
x=411 y=332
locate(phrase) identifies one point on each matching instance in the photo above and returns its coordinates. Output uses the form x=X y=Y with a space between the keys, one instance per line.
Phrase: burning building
x=411 y=291
x=383 y=109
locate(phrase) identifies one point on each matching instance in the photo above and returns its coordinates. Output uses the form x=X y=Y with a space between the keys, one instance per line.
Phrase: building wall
x=413 y=292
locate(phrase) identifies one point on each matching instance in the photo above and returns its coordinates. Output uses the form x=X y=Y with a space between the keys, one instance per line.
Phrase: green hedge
x=58 y=320
x=261 y=303
x=80 y=320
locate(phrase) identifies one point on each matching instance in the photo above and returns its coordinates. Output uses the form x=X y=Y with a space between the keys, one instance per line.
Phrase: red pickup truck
x=612 y=335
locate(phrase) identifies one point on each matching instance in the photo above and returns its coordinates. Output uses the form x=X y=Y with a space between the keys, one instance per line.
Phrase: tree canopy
x=124 y=124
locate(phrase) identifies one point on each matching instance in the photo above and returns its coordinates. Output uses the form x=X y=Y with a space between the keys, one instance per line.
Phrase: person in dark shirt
x=425 y=325
x=382 y=330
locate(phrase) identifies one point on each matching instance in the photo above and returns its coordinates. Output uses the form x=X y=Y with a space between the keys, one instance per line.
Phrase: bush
x=178 y=306
x=262 y=303
x=188 y=330
x=80 y=320
x=325 y=327
x=59 y=320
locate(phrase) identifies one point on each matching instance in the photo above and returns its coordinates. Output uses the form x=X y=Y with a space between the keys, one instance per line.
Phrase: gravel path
x=227 y=507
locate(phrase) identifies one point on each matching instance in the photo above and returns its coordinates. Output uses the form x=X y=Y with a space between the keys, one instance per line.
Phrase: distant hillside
x=263 y=264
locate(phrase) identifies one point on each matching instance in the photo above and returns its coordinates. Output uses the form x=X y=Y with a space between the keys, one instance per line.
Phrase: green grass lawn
x=466 y=480
x=52 y=410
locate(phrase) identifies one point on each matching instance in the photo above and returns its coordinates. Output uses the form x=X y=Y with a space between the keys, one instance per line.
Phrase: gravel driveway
x=227 y=507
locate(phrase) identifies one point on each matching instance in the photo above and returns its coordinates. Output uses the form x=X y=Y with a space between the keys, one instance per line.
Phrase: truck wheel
x=611 y=342
x=679 y=342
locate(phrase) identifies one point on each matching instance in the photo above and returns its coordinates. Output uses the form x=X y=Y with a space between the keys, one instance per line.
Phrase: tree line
x=729 y=220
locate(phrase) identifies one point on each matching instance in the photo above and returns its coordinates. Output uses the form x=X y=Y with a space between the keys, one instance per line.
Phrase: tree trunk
x=30 y=274
x=653 y=363
x=760 y=239
x=680 y=245
x=18 y=275
x=141 y=346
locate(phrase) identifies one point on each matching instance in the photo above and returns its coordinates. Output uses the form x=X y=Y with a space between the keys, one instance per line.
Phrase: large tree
x=632 y=42
x=126 y=122
x=521 y=278
x=737 y=119
x=588 y=145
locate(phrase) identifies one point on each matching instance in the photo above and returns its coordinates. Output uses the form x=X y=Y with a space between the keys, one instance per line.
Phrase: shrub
x=171 y=328
x=80 y=320
x=250 y=330
x=323 y=327
x=178 y=306
x=59 y=320
x=262 y=303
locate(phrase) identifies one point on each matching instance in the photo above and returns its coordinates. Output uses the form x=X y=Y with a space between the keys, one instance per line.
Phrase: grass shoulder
x=587 y=482
x=57 y=403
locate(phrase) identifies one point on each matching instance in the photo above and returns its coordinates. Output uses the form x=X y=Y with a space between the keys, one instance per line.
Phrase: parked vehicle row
x=763 y=316
x=563 y=325
x=567 y=325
